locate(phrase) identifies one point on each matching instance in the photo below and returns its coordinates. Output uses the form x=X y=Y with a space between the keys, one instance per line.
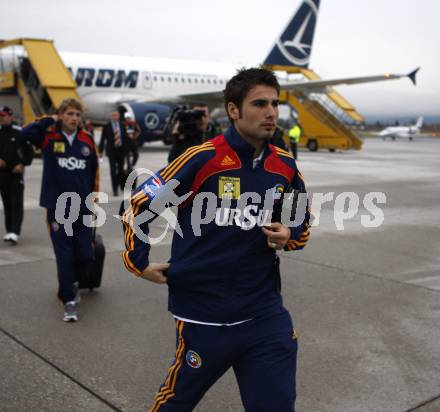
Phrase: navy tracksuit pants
x=262 y=353
x=73 y=253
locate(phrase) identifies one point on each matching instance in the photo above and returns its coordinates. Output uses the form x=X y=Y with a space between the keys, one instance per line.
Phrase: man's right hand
x=2 y=164
x=154 y=272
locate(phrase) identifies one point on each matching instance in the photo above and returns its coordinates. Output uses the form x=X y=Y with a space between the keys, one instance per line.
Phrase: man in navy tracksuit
x=223 y=275
x=70 y=164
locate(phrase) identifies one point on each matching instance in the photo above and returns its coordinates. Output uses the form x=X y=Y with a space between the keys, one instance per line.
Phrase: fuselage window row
x=184 y=79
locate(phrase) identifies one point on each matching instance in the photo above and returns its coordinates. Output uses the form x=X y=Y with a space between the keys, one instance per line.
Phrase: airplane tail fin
x=419 y=123
x=412 y=75
x=294 y=46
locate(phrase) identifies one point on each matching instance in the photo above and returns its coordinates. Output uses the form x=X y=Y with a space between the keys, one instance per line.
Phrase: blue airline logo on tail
x=294 y=46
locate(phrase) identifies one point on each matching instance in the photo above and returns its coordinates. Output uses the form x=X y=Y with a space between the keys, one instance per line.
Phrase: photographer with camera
x=188 y=128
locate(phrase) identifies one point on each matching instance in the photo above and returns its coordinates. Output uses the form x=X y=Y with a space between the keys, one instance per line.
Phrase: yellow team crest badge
x=229 y=187
x=58 y=147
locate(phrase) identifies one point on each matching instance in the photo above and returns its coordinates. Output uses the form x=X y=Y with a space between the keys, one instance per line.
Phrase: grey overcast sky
x=352 y=38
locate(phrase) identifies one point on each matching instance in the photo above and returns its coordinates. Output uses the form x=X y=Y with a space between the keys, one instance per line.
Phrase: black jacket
x=277 y=139
x=107 y=138
x=14 y=148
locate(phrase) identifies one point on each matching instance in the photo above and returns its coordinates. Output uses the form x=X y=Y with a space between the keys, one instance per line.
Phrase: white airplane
x=149 y=88
x=408 y=132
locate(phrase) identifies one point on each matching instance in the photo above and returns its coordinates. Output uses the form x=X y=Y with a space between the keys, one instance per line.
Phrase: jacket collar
x=60 y=131
x=244 y=150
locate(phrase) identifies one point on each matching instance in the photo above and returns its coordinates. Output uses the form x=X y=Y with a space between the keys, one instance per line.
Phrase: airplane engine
x=151 y=117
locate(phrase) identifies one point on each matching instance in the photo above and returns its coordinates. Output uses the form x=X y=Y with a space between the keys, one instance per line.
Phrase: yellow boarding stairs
x=319 y=115
x=39 y=77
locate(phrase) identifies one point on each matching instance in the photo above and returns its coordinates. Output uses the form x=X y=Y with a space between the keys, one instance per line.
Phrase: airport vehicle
x=149 y=88
x=408 y=132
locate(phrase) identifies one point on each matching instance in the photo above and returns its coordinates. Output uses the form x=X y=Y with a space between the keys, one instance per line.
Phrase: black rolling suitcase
x=92 y=278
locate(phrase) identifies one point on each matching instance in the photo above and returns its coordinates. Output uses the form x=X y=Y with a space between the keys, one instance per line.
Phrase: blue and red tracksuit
x=66 y=168
x=224 y=275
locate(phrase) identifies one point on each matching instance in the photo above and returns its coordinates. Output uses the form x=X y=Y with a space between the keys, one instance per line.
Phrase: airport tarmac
x=366 y=301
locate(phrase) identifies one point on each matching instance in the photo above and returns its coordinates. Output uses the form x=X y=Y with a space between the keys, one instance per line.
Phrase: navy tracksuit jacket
x=66 y=168
x=223 y=276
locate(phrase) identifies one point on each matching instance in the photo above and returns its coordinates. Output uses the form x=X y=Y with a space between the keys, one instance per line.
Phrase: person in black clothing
x=189 y=132
x=133 y=133
x=114 y=138
x=277 y=139
x=15 y=153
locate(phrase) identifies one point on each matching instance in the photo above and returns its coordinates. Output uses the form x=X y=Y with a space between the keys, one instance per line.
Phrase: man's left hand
x=18 y=168
x=277 y=235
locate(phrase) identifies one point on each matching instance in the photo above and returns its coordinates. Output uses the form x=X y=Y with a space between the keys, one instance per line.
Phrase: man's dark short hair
x=238 y=86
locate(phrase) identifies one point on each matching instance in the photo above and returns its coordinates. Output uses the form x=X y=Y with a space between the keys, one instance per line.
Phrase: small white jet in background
x=409 y=132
